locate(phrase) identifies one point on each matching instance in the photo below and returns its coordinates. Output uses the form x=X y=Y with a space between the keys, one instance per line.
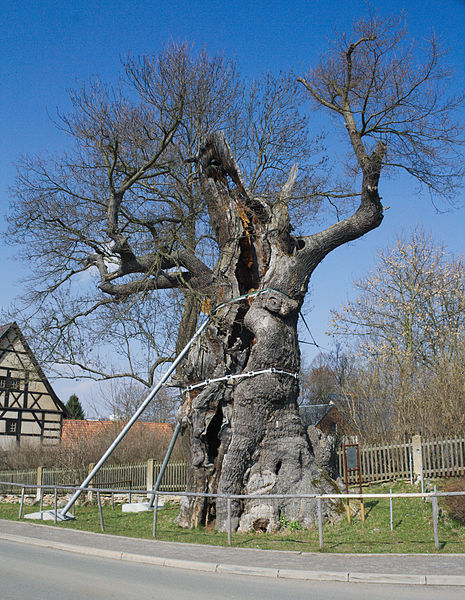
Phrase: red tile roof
x=74 y=429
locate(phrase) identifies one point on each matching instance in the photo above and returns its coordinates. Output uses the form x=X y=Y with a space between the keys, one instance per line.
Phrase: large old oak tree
x=154 y=200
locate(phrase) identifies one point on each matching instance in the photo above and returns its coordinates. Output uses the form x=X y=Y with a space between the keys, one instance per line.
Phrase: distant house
x=325 y=417
x=76 y=429
x=30 y=411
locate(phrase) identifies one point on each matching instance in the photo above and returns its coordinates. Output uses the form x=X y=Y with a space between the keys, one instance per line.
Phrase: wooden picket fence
x=135 y=477
x=444 y=458
x=385 y=462
x=382 y=462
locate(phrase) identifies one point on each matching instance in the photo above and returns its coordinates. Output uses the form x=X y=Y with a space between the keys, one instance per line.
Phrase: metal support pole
x=41 y=502
x=134 y=418
x=320 y=523
x=100 y=513
x=55 y=496
x=176 y=431
x=229 y=521
x=155 y=515
x=435 y=521
x=390 y=511
x=20 y=516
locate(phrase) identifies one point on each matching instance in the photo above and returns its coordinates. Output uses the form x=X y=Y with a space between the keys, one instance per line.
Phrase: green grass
x=413 y=529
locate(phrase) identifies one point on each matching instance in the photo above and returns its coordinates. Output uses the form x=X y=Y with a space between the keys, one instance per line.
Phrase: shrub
x=455 y=505
x=137 y=447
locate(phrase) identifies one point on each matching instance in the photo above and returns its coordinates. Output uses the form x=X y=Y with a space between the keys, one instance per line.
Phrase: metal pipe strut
x=165 y=463
x=132 y=420
x=142 y=407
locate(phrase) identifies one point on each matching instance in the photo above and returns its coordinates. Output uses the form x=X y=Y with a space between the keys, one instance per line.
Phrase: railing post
x=320 y=523
x=229 y=521
x=435 y=520
x=390 y=511
x=20 y=516
x=55 y=496
x=100 y=513
x=155 y=515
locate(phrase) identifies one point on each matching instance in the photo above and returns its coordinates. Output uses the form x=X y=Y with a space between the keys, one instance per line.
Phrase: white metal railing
x=433 y=496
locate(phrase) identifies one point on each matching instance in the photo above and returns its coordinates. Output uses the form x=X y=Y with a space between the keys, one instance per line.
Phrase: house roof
x=313 y=414
x=74 y=429
x=4 y=329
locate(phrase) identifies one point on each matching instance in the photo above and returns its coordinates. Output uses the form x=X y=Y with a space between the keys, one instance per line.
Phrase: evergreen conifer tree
x=74 y=408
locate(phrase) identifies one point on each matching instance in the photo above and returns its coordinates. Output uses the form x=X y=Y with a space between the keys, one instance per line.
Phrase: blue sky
x=48 y=47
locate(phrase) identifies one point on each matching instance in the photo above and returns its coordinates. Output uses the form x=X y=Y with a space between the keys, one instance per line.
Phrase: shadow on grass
x=369 y=506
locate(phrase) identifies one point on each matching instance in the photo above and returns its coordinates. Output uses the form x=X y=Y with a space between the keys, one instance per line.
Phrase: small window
x=9 y=383
x=11 y=426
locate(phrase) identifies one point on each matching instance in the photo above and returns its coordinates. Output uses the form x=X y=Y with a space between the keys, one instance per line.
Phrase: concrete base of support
x=49 y=515
x=136 y=507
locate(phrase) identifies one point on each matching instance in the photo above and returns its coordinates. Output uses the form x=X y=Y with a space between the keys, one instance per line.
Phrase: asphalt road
x=28 y=572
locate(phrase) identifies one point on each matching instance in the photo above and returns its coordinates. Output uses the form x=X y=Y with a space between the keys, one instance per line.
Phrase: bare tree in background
x=323 y=377
x=125 y=204
x=122 y=398
x=408 y=324
x=243 y=436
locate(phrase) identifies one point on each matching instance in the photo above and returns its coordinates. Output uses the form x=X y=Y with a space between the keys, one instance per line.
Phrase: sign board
x=352 y=463
x=352 y=458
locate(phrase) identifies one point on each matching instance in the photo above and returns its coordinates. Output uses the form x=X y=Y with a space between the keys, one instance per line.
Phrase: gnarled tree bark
x=245 y=436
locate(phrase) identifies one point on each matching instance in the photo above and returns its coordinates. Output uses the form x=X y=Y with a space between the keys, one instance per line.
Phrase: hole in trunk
x=212 y=437
x=278 y=466
x=261 y=525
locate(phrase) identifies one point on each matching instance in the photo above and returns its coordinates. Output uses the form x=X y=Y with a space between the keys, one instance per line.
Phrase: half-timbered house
x=30 y=411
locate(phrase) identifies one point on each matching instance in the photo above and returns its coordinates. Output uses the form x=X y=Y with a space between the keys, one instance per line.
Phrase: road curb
x=390 y=578
x=404 y=579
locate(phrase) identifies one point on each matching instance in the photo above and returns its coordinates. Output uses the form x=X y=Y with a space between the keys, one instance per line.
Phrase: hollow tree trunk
x=245 y=436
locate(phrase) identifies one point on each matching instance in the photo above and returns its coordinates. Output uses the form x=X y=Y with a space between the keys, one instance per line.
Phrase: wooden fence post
x=149 y=477
x=39 y=482
x=417 y=456
x=89 y=494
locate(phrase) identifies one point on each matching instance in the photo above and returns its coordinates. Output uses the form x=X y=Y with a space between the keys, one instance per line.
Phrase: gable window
x=11 y=426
